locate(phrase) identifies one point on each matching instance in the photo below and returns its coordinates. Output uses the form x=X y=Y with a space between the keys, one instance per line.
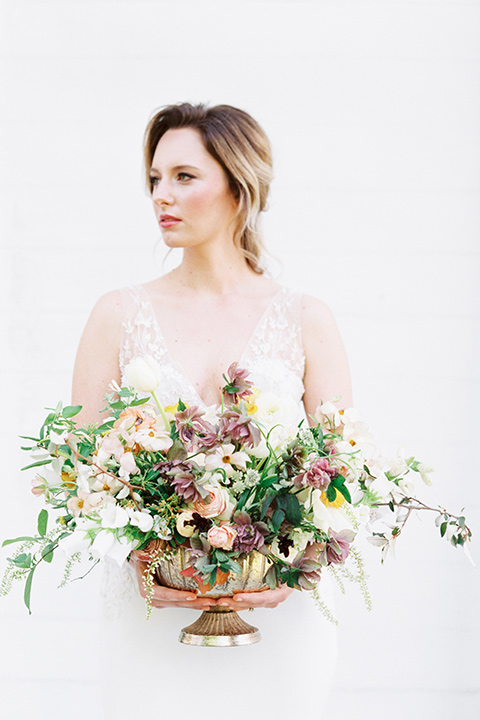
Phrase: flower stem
x=162 y=411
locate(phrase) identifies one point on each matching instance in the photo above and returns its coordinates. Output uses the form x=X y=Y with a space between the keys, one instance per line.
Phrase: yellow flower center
x=338 y=502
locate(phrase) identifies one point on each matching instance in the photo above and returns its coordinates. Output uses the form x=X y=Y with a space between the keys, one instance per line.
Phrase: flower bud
x=143 y=374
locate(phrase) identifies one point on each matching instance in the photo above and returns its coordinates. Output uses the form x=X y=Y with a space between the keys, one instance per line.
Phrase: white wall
x=373 y=109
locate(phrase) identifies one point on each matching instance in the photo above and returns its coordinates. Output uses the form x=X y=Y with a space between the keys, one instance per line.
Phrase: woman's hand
x=165 y=596
x=264 y=598
x=168 y=597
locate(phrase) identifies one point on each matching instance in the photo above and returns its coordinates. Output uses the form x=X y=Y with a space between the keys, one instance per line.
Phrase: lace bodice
x=274 y=353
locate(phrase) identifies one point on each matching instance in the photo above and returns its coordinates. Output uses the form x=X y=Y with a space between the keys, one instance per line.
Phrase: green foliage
x=42 y=522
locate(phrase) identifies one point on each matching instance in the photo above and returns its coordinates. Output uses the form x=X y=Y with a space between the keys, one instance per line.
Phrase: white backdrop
x=373 y=109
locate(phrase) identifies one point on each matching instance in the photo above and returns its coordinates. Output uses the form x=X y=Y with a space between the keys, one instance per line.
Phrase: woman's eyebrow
x=177 y=167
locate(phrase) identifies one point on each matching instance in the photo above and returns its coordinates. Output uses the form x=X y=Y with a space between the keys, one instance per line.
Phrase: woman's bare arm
x=327 y=374
x=96 y=364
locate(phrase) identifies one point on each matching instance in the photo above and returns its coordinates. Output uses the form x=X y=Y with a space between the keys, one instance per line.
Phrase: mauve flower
x=185 y=485
x=337 y=548
x=250 y=536
x=239 y=428
x=193 y=430
x=310 y=571
x=318 y=475
x=237 y=384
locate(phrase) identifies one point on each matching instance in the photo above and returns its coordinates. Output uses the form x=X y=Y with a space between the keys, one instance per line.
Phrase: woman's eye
x=183 y=176
x=153 y=180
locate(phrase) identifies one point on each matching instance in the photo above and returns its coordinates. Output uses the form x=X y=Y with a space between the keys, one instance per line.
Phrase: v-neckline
x=179 y=365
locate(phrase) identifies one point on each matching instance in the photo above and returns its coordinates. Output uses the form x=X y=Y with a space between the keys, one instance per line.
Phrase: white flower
x=153 y=439
x=274 y=410
x=425 y=471
x=58 y=438
x=380 y=485
x=109 y=483
x=78 y=541
x=85 y=478
x=225 y=458
x=108 y=546
x=184 y=525
x=397 y=466
x=407 y=486
x=328 y=517
x=327 y=414
x=113 y=516
x=127 y=463
x=141 y=519
x=143 y=374
x=160 y=526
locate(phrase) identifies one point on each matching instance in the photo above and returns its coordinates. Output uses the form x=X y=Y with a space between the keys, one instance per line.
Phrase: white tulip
x=143 y=374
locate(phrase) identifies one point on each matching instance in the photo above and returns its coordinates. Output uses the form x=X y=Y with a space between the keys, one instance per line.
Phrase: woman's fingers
x=167 y=597
x=265 y=598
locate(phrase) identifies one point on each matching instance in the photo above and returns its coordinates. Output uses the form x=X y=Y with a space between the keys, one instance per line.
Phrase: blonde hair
x=240 y=146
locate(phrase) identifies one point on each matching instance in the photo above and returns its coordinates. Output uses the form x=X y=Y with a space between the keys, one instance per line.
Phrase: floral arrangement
x=220 y=482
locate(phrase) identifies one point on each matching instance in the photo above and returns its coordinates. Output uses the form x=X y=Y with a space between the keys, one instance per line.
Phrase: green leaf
x=443 y=528
x=243 y=499
x=268 y=481
x=71 y=410
x=23 y=538
x=331 y=493
x=47 y=554
x=271 y=578
x=278 y=518
x=42 y=522
x=22 y=561
x=28 y=590
x=265 y=505
x=37 y=464
x=181 y=405
x=343 y=490
x=293 y=511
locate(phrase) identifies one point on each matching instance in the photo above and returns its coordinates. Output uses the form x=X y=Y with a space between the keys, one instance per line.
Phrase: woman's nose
x=162 y=195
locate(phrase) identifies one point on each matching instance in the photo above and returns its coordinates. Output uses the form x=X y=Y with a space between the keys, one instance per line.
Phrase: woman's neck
x=216 y=271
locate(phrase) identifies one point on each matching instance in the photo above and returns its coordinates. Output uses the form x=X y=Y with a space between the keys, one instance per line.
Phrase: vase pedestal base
x=219 y=627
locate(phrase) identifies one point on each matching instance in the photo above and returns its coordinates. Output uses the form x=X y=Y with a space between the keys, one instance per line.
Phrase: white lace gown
x=146 y=669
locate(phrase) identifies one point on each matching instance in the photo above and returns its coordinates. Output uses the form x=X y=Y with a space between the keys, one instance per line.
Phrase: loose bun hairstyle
x=240 y=146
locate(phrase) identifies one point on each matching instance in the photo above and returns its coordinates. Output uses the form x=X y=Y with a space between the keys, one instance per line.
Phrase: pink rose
x=216 y=505
x=222 y=536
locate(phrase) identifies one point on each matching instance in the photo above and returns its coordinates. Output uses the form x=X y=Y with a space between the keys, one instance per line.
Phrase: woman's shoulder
x=108 y=305
x=106 y=316
x=315 y=316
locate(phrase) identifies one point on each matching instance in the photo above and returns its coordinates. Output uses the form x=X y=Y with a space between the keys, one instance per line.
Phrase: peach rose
x=222 y=536
x=217 y=504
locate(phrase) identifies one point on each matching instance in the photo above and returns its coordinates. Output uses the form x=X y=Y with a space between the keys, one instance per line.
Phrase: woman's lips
x=167 y=221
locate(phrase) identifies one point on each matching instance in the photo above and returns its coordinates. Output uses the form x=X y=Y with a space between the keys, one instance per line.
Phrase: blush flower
x=222 y=536
x=83 y=502
x=215 y=504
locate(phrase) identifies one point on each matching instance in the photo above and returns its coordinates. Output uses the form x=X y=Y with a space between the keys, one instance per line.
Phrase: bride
x=208 y=171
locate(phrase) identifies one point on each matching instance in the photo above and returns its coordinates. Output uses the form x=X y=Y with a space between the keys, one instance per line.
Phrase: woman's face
x=191 y=196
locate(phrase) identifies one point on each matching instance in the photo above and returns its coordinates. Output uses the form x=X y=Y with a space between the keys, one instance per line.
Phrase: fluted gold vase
x=218 y=626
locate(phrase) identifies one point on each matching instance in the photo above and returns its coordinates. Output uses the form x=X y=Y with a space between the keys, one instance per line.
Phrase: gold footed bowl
x=218 y=626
